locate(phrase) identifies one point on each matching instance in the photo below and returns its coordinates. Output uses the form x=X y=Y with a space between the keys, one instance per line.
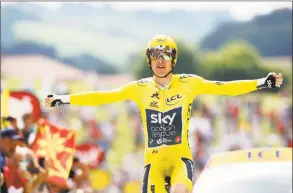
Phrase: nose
x=161 y=59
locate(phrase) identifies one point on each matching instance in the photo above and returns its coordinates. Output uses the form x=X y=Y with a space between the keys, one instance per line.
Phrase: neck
x=163 y=81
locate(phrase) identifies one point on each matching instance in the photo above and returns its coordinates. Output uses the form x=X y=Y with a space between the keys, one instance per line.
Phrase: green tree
x=237 y=60
x=188 y=62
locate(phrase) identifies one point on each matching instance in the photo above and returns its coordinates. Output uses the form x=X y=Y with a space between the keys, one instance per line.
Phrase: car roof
x=250 y=155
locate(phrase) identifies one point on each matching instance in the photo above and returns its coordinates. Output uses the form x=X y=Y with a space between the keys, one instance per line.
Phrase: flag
x=57 y=145
x=90 y=154
x=18 y=103
x=21 y=102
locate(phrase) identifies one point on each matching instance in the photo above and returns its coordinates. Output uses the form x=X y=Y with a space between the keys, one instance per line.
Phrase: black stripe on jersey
x=189 y=167
x=146 y=178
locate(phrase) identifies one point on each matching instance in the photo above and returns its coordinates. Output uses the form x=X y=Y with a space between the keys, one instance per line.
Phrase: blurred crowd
x=239 y=122
x=25 y=172
x=226 y=124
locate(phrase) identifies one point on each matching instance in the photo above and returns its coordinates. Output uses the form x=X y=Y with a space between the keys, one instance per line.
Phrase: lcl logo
x=185 y=77
x=173 y=100
x=260 y=154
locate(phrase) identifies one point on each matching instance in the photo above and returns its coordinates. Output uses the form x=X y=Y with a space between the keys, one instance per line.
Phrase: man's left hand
x=273 y=80
x=279 y=79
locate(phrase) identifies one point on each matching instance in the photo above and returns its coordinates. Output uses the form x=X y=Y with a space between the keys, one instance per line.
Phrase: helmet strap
x=171 y=71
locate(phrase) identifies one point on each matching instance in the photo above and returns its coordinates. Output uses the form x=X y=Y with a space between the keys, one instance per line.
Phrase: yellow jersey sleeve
x=127 y=92
x=230 y=88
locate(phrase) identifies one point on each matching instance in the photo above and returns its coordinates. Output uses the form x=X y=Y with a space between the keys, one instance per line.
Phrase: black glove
x=267 y=82
x=58 y=100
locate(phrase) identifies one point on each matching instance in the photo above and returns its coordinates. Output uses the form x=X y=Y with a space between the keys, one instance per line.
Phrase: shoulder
x=144 y=82
x=185 y=78
x=137 y=84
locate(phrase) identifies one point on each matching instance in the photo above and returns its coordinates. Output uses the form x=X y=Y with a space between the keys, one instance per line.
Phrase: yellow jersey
x=165 y=115
x=165 y=112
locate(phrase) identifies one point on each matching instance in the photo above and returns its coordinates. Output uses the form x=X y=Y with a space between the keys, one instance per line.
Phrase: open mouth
x=161 y=67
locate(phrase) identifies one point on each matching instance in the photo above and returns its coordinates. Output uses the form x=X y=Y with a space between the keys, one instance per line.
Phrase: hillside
x=104 y=32
x=271 y=34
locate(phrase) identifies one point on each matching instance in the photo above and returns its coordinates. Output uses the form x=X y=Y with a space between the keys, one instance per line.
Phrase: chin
x=161 y=73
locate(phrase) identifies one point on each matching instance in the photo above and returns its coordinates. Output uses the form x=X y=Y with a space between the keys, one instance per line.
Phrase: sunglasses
x=157 y=52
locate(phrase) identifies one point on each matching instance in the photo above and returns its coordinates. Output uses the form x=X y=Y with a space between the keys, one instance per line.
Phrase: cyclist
x=165 y=102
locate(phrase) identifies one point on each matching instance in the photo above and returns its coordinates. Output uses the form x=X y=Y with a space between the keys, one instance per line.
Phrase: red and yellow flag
x=57 y=146
x=18 y=103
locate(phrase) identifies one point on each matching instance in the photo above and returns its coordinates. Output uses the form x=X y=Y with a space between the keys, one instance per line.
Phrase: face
x=162 y=64
x=8 y=146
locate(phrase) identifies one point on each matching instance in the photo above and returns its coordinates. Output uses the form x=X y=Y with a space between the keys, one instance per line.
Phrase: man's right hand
x=48 y=101
x=55 y=100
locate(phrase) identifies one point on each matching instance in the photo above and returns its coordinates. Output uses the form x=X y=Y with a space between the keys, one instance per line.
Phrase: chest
x=165 y=99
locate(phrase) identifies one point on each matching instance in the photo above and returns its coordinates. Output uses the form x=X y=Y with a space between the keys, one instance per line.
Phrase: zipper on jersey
x=163 y=91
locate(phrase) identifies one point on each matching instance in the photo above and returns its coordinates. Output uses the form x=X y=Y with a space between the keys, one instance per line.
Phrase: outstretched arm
x=99 y=97
x=238 y=87
x=127 y=92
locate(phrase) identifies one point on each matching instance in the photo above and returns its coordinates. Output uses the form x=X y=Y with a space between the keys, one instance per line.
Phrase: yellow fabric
x=4 y=103
x=132 y=186
x=251 y=155
x=165 y=115
x=100 y=179
x=105 y=97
